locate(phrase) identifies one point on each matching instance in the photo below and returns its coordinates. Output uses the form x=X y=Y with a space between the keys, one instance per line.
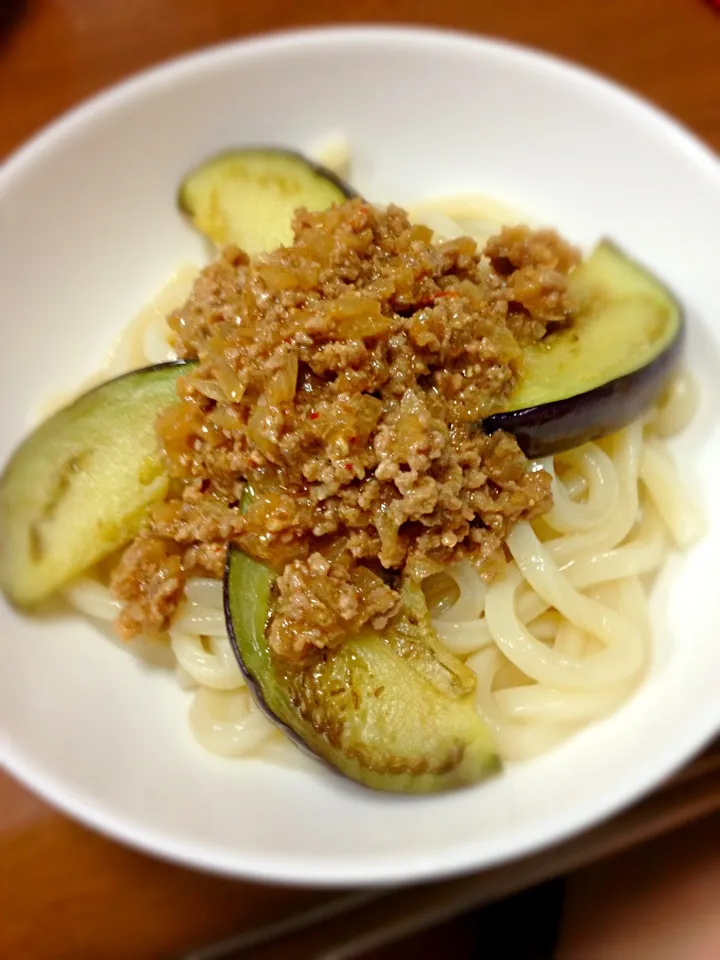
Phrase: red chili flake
x=348 y=466
x=447 y=293
x=314 y=415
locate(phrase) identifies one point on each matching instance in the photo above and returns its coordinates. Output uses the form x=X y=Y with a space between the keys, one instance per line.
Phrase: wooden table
x=68 y=893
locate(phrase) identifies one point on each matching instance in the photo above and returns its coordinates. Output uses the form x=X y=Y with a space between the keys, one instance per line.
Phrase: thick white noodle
x=569 y=641
x=228 y=722
x=553 y=705
x=680 y=514
x=620 y=660
x=514 y=740
x=677 y=408
x=200 y=619
x=212 y=666
x=205 y=592
x=601 y=487
x=471 y=601
x=546 y=626
x=625 y=451
x=642 y=553
x=465 y=636
x=461 y=628
x=92 y=598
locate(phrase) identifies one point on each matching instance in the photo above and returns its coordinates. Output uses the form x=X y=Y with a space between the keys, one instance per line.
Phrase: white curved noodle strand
x=93 y=599
x=204 y=591
x=680 y=514
x=461 y=628
x=213 y=666
x=677 y=407
x=567 y=515
x=515 y=741
x=625 y=448
x=553 y=705
x=471 y=601
x=200 y=619
x=620 y=660
x=464 y=637
x=228 y=723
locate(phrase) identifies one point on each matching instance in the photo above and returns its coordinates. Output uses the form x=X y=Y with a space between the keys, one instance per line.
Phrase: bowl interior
x=89 y=230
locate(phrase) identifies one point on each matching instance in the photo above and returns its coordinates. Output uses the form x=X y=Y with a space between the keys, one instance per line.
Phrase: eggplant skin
x=392 y=712
x=343 y=187
x=153 y=368
x=78 y=486
x=551 y=428
x=616 y=287
x=248 y=195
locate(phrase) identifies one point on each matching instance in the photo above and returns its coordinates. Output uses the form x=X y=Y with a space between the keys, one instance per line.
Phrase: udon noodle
x=559 y=639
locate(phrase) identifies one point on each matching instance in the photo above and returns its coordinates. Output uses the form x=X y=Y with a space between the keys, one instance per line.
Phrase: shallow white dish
x=89 y=230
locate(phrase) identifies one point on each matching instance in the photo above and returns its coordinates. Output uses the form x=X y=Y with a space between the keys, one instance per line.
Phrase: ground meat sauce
x=341 y=379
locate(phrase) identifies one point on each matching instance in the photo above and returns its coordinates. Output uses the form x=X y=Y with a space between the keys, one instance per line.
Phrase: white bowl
x=89 y=230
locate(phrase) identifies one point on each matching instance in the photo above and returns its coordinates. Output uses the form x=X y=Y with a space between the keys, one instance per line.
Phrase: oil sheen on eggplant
x=393 y=711
x=604 y=370
x=79 y=485
x=248 y=196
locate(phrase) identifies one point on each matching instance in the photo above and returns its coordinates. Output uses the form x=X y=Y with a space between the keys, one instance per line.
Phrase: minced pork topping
x=329 y=427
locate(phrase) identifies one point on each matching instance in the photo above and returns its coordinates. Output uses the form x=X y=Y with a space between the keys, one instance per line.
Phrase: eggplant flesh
x=393 y=711
x=603 y=371
x=248 y=196
x=79 y=485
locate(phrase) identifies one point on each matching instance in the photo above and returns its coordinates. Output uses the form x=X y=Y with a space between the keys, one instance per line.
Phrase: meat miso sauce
x=343 y=378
